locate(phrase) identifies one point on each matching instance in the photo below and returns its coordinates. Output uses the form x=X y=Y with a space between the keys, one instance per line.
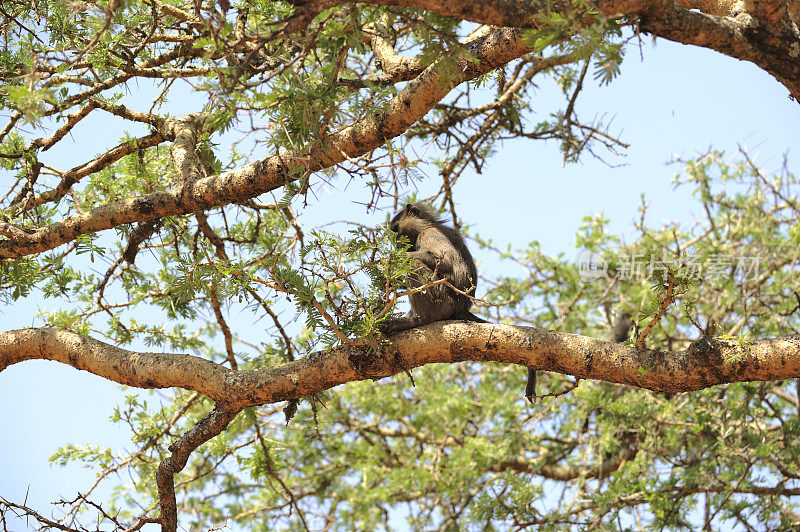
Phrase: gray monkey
x=440 y=253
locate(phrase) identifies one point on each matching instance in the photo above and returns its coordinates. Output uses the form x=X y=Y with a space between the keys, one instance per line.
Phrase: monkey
x=622 y=326
x=440 y=253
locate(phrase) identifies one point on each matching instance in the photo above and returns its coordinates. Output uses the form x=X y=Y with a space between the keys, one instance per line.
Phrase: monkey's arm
x=429 y=262
x=435 y=251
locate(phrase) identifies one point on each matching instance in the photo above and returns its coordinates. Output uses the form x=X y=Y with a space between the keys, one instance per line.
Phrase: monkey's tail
x=469 y=316
x=530 y=387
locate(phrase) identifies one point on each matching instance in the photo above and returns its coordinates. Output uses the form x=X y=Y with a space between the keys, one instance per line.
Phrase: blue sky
x=678 y=102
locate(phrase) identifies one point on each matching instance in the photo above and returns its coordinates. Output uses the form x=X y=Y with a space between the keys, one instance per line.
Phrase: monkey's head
x=411 y=221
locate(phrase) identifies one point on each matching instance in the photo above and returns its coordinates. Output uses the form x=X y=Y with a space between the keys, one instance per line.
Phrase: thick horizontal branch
x=131 y=368
x=408 y=105
x=774 y=49
x=705 y=363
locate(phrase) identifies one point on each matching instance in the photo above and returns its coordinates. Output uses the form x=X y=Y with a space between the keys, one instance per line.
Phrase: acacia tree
x=341 y=90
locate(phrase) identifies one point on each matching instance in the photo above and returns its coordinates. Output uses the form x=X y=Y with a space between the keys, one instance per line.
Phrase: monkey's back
x=446 y=255
x=464 y=274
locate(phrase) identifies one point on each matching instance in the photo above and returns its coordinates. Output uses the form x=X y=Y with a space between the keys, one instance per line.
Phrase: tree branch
x=205 y=429
x=554 y=471
x=408 y=105
x=772 y=48
x=705 y=363
x=762 y=37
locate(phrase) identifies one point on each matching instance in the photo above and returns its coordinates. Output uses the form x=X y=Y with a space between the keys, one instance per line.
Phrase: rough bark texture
x=205 y=429
x=764 y=33
x=409 y=105
x=705 y=363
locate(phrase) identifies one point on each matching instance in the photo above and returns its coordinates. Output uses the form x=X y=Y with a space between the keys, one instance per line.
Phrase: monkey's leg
x=430 y=261
x=395 y=325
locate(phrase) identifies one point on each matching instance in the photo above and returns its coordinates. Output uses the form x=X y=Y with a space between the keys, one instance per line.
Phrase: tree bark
x=705 y=363
x=419 y=96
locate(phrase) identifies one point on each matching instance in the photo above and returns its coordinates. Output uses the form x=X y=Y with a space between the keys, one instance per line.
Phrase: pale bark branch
x=185 y=131
x=766 y=36
x=774 y=49
x=408 y=105
x=565 y=473
x=705 y=363
x=140 y=370
x=396 y=67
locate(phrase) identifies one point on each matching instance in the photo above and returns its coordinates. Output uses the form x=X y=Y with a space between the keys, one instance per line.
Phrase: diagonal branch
x=770 y=50
x=205 y=429
x=396 y=67
x=185 y=131
x=74 y=175
x=408 y=105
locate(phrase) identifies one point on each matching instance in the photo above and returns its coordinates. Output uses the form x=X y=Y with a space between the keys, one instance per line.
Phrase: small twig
x=537 y=398
x=797 y=296
x=20 y=24
x=668 y=300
